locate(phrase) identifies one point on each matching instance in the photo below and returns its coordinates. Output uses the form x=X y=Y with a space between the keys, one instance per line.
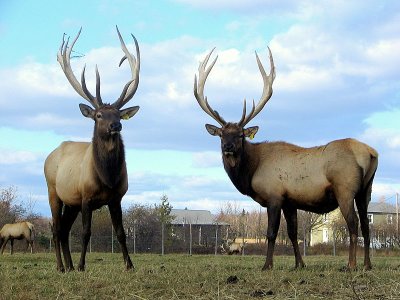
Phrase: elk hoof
x=81 y=268
x=267 y=267
x=367 y=268
x=61 y=269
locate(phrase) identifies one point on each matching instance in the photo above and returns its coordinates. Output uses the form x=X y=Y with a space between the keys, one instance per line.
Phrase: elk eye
x=99 y=116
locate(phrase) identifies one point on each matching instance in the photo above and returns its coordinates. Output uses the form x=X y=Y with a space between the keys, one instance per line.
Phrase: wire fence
x=199 y=240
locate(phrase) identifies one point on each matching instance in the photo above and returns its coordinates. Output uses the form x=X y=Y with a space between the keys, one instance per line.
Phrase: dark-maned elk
x=85 y=176
x=17 y=231
x=282 y=176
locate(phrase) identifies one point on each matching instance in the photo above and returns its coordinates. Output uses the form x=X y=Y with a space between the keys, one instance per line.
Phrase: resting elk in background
x=17 y=231
x=85 y=176
x=282 y=176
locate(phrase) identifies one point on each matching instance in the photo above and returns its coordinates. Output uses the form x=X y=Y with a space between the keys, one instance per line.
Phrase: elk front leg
x=86 y=233
x=274 y=218
x=291 y=221
x=116 y=218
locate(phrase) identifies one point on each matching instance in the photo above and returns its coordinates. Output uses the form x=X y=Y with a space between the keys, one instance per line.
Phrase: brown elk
x=85 y=176
x=17 y=231
x=283 y=176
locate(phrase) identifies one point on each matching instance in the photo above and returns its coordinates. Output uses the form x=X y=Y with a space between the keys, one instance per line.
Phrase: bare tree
x=10 y=210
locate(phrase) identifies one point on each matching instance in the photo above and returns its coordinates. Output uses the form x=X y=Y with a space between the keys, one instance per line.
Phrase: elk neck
x=242 y=173
x=109 y=158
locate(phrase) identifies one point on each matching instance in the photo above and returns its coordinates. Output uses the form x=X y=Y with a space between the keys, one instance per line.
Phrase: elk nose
x=229 y=147
x=116 y=127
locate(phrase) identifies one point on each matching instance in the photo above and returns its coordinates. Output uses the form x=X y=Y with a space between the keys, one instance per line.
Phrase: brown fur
x=85 y=176
x=283 y=176
x=17 y=231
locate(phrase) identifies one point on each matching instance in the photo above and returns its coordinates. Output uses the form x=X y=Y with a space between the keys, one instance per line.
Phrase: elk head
x=232 y=134
x=107 y=117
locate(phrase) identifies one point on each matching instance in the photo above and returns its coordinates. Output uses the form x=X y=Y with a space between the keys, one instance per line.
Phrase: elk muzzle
x=115 y=128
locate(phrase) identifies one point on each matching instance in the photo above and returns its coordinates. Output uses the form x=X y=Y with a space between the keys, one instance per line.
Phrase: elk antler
x=129 y=89
x=64 y=57
x=199 y=89
x=267 y=91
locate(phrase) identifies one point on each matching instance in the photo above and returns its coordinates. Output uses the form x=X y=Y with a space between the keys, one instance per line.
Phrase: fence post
x=162 y=238
x=134 y=237
x=216 y=238
x=190 y=238
x=112 y=239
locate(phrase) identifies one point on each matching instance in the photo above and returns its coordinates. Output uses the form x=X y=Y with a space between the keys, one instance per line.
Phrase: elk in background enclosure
x=283 y=176
x=85 y=176
x=17 y=231
x=232 y=247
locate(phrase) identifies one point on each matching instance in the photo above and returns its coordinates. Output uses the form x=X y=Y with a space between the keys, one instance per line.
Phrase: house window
x=370 y=218
x=390 y=219
x=325 y=218
x=325 y=235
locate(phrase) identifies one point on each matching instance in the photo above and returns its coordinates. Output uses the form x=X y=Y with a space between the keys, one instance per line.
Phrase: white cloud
x=207 y=159
x=8 y=157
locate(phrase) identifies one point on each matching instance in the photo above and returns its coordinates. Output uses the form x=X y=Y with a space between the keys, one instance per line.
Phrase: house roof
x=381 y=207
x=194 y=217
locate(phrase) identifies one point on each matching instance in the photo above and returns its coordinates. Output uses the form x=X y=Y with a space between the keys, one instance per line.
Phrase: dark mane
x=242 y=174
x=109 y=157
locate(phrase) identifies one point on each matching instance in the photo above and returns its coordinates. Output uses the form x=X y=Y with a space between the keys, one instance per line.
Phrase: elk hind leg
x=68 y=217
x=346 y=205
x=116 y=218
x=56 y=209
x=291 y=220
x=362 y=200
x=12 y=246
x=4 y=244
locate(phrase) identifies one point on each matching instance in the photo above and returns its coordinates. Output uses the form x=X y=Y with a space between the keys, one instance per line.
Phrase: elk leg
x=56 y=209
x=291 y=221
x=116 y=218
x=362 y=201
x=274 y=218
x=86 y=233
x=69 y=215
x=12 y=246
x=4 y=244
x=350 y=216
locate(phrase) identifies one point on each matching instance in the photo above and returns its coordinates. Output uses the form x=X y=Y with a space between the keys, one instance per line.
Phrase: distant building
x=380 y=214
x=201 y=224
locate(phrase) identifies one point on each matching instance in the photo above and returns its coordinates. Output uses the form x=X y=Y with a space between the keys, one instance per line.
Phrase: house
x=201 y=225
x=380 y=215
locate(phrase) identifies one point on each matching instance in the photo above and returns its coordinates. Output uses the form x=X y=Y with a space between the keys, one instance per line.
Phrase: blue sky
x=337 y=67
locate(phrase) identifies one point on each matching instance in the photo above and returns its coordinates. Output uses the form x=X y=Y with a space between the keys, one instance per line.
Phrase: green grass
x=26 y=276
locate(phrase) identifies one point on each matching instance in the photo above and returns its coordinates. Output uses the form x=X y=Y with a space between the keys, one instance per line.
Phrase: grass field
x=26 y=276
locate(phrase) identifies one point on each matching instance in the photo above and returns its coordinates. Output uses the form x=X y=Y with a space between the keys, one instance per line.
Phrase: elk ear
x=128 y=113
x=87 y=111
x=250 y=132
x=213 y=130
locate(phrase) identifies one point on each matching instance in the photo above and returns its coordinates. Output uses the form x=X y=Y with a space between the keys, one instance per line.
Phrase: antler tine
x=244 y=112
x=64 y=59
x=134 y=64
x=198 y=88
x=267 y=90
